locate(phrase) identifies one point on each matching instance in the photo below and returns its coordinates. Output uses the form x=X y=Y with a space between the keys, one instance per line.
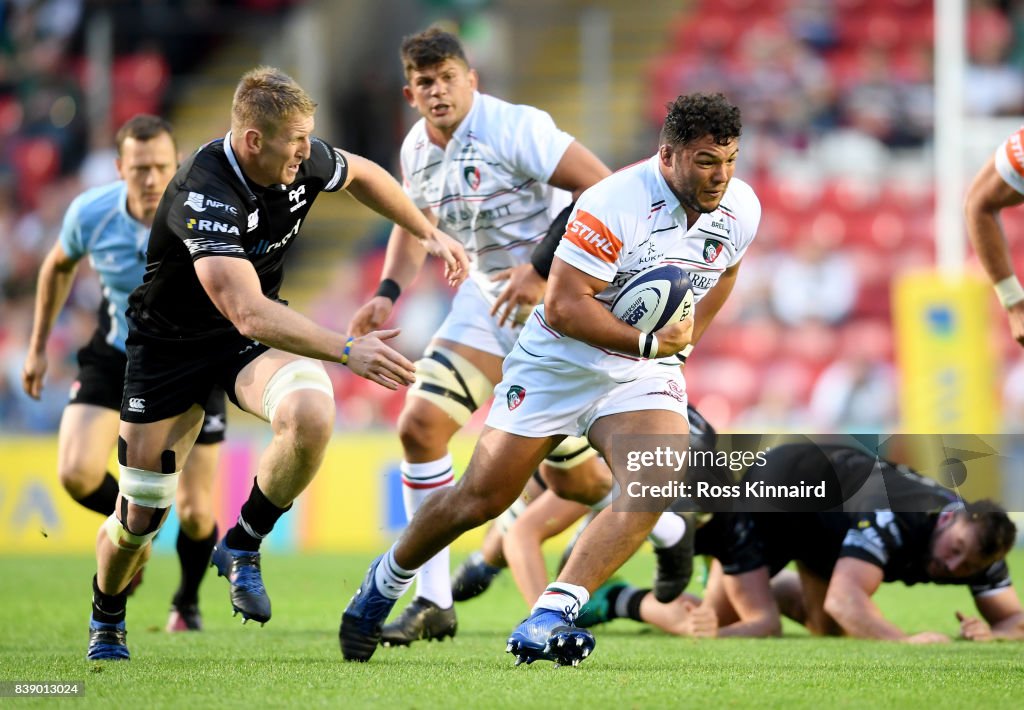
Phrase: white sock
x=560 y=596
x=669 y=530
x=419 y=480
x=391 y=578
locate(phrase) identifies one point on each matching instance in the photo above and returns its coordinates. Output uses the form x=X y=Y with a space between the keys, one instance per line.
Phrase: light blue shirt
x=97 y=225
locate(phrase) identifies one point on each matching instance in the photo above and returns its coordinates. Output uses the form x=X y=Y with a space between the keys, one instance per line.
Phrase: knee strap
x=148 y=489
x=573 y=451
x=296 y=375
x=451 y=382
x=119 y=534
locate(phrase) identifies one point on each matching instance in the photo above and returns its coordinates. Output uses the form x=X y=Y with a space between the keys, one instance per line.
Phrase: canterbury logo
x=136 y=404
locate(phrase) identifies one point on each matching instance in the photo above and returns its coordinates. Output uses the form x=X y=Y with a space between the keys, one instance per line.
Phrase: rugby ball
x=655 y=297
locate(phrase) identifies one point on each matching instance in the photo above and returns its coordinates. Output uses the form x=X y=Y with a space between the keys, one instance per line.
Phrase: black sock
x=104 y=498
x=633 y=603
x=108 y=608
x=194 y=556
x=259 y=515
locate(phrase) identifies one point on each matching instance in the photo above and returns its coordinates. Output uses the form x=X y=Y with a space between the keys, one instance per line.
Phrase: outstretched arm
x=374 y=187
x=849 y=602
x=55 y=278
x=402 y=262
x=987 y=196
x=234 y=287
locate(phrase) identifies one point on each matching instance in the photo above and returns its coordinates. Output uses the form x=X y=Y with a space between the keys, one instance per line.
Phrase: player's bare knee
x=298 y=401
x=420 y=432
x=196 y=519
x=77 y=482
x=307 y=419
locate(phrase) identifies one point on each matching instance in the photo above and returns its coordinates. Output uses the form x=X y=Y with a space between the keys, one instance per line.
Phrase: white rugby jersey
x=488 y=186
x=1010 y=160
x=629 y=222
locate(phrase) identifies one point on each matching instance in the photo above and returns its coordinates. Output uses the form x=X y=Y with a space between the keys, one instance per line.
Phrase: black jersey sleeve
x=994 y=579
x=872 y=537
x=208 y=225
x=327 y=164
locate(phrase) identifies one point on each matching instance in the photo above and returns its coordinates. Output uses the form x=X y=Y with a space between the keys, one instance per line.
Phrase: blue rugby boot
x=549 y=635
x=242 y=569
x=107 y=642
x=361 y=624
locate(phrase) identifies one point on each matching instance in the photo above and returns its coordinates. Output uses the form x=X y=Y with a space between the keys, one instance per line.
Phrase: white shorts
x=470 y=323
x=542 y=396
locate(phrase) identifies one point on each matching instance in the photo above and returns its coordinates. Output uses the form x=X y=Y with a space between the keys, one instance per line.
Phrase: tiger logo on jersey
x=472 y=175
x=712 y=248
x=516 y=395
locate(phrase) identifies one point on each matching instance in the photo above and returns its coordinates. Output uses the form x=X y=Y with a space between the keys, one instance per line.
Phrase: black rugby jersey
x=211 y=209
x=895 y=511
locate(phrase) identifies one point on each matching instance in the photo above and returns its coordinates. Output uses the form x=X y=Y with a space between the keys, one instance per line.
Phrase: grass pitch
x=295 y=661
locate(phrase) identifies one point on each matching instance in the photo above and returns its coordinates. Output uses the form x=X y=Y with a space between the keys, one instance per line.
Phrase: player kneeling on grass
x=902 y=527
x=577 y=369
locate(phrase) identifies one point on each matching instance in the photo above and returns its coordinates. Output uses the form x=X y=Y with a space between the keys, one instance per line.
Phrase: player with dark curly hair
x=578 y=370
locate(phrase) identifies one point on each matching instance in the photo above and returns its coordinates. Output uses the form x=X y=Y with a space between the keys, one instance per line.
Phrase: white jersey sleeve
x=414 y=141
x=1010 y=160
x=537 y=143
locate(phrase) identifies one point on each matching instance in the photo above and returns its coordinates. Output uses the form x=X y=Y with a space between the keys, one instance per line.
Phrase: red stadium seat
x=36 y=161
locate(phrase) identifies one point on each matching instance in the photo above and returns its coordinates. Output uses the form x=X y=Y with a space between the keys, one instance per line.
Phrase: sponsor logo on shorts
x=712 y=248
x=472 y=175
x=75 y=387
x=515 y=397
x=136 y=404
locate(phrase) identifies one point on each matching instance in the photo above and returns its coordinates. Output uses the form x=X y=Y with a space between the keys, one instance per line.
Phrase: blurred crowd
x=837 y=99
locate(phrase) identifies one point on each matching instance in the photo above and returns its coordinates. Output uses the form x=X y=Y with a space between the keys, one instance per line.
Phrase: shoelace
x=248 y=577
x=570 y=614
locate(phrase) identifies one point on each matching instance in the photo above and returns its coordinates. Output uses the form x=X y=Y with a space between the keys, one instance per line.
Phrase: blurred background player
x=208 y=314
x=901 y=527
x=495 y=175
x=583 y=371
x=110 y=225
x=998 y=185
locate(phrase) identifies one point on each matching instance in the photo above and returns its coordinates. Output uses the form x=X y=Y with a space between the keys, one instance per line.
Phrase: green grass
x=295 y=661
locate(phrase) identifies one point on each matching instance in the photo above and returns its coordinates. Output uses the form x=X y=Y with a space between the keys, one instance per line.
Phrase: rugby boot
x=242 y=569
x=472 y=578
x=422 y=620
x=599 y=609
x=364 y=616
x=184 y=617
x=675 y=564
x=549 y=635
x=107 y=642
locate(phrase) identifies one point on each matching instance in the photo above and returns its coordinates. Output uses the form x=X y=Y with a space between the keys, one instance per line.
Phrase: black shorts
x=100 y=383
x=100 y=380
x=811 y=538
x=165 y=377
